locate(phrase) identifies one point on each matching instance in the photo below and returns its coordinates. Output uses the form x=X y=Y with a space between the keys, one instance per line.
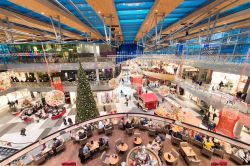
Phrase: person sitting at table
x=217 y=144
x=158 y=139
x=56 y=144
x=243 y=155
x=144 y=121
x=83 y=151
x=208 y=144
x=82 y=135
x=88 y=128
x=101 y=142
x=134 y=121
x=100 y=125
x=128 y=125
x=168 y=128
x=177 y=134
x=184 y=132
x=198 y=137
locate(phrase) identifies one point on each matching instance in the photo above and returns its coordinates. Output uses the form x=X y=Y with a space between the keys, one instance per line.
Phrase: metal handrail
x=36 y=144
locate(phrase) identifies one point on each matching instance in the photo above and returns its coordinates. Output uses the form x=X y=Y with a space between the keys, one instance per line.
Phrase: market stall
x=149 y=101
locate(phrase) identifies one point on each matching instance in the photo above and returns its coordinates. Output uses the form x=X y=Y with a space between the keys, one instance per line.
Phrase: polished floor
x=71 y=151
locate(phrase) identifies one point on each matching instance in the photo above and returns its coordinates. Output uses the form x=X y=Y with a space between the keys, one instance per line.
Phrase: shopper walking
x=23 y=132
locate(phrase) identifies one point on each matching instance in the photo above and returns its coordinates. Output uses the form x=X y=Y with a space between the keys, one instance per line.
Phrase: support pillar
x=237 y=129
x=248 y=96
x=209 y=76
x=96 y=54
x=246 y=85
x=37 y=78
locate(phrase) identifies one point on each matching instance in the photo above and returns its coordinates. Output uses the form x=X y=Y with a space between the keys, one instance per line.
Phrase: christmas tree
x=85 y=102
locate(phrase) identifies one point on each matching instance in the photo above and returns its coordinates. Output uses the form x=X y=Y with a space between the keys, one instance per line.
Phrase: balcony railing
x=25 y=153
x=52 y=59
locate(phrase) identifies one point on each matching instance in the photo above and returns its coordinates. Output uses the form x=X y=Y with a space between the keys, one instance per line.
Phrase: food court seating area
x=172 y=150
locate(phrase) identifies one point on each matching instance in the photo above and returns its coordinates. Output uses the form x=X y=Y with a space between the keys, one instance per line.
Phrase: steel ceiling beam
x=107 y=8
x=33 y=23
x=48 y=9
x=202 y=13
x=163 y=7
x=242 y=15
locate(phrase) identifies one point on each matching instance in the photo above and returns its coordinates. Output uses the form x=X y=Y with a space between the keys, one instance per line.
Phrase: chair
x=219 y=152
x=100 y=130
x=236 y=159
x=108 y=131
x=141 y=127
x=87 y=155
x=135 y=125
x=130 y=131
x=60 y=148
x=40 y=160
x=120 y=126
x=175 y=141
x=183 y=144
x=176 y=155
x=185 y=138
x=83 y=141
x=90 y=133
x=207 y=152
x=105 y=159
x=151 y=132
x=137 y=134
x=198 y=143
x=192 y=162
x=103 y=147
x=117 y=143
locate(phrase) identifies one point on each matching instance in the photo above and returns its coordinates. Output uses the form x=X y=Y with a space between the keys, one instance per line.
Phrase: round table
x=123 y=147
x=153 y=155
x=138 y=141
x=169 y=158
x=113 y=160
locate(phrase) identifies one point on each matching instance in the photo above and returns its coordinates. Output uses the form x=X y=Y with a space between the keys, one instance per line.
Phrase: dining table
x=123 y=147
x=137 y=141
x=113 y=159
x=189 y=152
x=94 y=146
x=169 y=158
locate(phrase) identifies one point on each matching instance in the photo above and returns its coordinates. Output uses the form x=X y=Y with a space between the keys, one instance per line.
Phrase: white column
x=237 y=129
x=96 y=54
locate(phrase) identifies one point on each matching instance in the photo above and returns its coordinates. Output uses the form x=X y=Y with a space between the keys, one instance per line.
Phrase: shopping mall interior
x=124 y=82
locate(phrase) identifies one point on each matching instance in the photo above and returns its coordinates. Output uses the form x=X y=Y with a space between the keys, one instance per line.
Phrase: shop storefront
x=227 y=82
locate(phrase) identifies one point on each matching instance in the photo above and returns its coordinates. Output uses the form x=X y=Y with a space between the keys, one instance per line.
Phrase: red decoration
x=59 y=115
x=227 y=121
x=57 y=84
x=136 y=80
x=150 y=100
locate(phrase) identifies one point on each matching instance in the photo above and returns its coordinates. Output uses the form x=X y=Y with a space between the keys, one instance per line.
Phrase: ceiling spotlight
x=42 y=13
x=99 y=12
x=156 y=10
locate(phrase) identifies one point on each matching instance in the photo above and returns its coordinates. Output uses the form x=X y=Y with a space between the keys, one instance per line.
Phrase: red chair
x=223 y=163
x=67 y=163
x=215 y=163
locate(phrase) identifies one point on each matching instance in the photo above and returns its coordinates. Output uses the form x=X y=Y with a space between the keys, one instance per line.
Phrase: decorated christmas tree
x=85 y=102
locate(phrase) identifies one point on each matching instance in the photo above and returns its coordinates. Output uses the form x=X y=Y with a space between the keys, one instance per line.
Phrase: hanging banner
x=57 y=84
